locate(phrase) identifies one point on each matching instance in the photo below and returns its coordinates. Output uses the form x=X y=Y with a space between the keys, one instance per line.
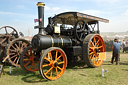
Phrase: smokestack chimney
x=41 y=17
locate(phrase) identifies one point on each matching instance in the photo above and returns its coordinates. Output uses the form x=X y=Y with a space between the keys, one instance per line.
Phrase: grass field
x=74 y=75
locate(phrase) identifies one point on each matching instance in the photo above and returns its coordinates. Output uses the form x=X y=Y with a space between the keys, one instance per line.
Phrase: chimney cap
x=40 y=4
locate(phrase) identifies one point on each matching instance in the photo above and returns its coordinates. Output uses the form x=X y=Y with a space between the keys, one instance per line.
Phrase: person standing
x=123 y=45
x=116 y=51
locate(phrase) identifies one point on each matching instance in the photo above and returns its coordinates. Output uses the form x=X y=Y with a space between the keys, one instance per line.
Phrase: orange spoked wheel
x=29 y=60
x=93 y=46
x=53 y=63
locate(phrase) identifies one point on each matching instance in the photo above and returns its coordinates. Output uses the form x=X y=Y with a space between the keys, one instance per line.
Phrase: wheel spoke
x=58 y=57
x=97 y=42
x=12 y=53
x=95 y=60
x=12 y=32
x=6 y=30
x=19 y=44
x=31 y=65
x=12 y=50
x=56 y=72
x=15 y=60
x=48 y=70
x=100 y=47
x=27 y=63
x=18 y=60
x=13 y=47
x=92 y=57
x=24 y=45
x=51 y=73
x=13 y=56
x=47 y=59
x=91 y=48
x=27 y=54
x=8 y=39
x=61 y=62
x=92 y=43
x=3 y=40
x=26 y=59
x=45 y=65
x=91 y=53
x=51 y=56
x=16 y=46
x=59 y=68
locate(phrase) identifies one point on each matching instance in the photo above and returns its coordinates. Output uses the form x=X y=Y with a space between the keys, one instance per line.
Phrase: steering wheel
x=81 y=30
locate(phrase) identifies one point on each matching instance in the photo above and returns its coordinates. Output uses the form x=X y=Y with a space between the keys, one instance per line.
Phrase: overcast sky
x=20 y=14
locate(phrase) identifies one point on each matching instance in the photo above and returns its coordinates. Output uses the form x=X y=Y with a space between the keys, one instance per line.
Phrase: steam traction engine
x=66 y=36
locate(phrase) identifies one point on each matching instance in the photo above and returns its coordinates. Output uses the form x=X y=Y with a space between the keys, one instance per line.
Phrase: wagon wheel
x=53 y=63
x=80 y=30
x=7 y=34
x=29 y=60
x=14 y=50
x=93 y=45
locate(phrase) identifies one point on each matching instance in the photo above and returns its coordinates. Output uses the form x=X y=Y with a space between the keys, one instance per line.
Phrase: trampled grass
x=117 y=75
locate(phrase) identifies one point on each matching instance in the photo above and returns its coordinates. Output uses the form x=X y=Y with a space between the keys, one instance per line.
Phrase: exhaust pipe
x=41 y=17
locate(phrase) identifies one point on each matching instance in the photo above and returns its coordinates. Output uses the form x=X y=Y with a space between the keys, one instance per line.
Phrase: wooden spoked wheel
x=7 y=34
x=29 y=60
x=93 y=45
x=53 y=63
x=14 y=50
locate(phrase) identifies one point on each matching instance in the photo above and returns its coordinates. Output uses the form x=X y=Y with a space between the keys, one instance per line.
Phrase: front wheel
x=52 y=63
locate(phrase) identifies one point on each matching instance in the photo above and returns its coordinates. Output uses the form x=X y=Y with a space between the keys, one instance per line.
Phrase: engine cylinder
x=40 y=42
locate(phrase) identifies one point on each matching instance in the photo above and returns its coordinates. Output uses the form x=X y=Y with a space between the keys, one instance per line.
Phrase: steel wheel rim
x=54 y=72
x=96 y=46
x=14 y=51
x=29 y=62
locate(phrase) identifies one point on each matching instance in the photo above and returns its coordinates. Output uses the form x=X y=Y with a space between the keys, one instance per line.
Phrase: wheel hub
x=96 y=50
x=55 y=64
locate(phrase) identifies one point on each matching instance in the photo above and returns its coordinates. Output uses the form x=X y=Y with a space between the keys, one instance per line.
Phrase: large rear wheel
x=93 y=47
x=53 y=63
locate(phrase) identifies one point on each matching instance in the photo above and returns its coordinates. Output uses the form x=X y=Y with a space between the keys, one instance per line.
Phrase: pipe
x=41 y=17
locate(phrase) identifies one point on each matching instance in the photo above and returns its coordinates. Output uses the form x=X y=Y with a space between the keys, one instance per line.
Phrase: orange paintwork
x=96 y=43
x=59 y=70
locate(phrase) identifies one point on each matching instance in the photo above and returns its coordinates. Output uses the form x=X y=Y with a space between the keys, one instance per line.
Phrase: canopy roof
x=72 y=17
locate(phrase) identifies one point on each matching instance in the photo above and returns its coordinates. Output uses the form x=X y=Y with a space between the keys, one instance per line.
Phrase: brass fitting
x=40 y=4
